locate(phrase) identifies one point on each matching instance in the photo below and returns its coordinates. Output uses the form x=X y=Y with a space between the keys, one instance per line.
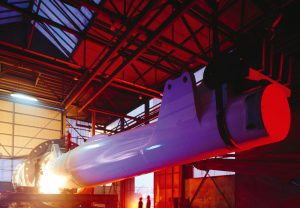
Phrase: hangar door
x=22 y=128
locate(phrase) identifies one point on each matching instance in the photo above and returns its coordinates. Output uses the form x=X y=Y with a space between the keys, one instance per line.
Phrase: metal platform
x=57 y=200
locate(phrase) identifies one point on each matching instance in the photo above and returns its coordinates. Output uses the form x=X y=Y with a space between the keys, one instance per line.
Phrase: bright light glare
x=51 y=183
x=154 y=147
x=24 y=97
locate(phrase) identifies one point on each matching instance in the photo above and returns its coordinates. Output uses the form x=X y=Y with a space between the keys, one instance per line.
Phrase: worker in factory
x=148 y=204
x=37 y=172
x=140 y=203
x=68 y=141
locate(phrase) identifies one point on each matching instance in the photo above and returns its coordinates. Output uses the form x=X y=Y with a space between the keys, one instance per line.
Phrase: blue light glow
x=154 y=147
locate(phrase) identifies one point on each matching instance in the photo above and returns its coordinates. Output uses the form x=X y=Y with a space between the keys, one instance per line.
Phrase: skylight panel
x=8 y=16
x=65 y=15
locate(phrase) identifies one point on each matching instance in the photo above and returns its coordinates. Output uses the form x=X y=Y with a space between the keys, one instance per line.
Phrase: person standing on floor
x=68 y=141
x=148 y=204
x=141 y=202
x=37 y=172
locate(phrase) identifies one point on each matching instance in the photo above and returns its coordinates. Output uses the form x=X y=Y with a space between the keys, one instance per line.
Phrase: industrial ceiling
x=112 y=56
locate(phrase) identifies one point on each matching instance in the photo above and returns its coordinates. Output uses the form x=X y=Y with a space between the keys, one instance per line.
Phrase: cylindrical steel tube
x=186 y=131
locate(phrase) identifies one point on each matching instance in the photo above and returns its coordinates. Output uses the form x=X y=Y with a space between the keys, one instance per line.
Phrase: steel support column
x=122 y=124
x=147 y=110
x=93 y=123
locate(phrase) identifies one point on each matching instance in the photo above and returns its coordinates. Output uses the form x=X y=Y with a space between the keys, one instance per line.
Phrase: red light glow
x=276 y=113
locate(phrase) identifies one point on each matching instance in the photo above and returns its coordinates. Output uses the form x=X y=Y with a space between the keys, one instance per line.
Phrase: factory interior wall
x=129 y=190
x=22 y=128
x=266 y=191
x=169 y=190
x=167 y=187
x=279 y=187
x=216 y=191
x=111 y=188
x=127 y=194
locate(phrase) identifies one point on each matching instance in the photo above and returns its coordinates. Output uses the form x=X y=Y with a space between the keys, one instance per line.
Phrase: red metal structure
x=100 y=59
x=124 y=50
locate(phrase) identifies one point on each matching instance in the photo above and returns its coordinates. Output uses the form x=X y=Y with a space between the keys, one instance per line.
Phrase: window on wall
x=80 y=130
x=199 y=75
x=143 y=187
x=113 y=124
x=153 y=104
x=201 y=173
x=137 y=111
x=7 y=166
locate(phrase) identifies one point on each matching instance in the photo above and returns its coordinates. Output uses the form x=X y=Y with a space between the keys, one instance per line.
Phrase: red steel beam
x=118 y=115
x=88 y=78
x=33 y=26
x=54 y=63
x=142 y=89
x=153 y=114
x=8 y=90
x=155 y=36
x=117 y=83
x=35 y=68
x=39 y=55
x=253 y=167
